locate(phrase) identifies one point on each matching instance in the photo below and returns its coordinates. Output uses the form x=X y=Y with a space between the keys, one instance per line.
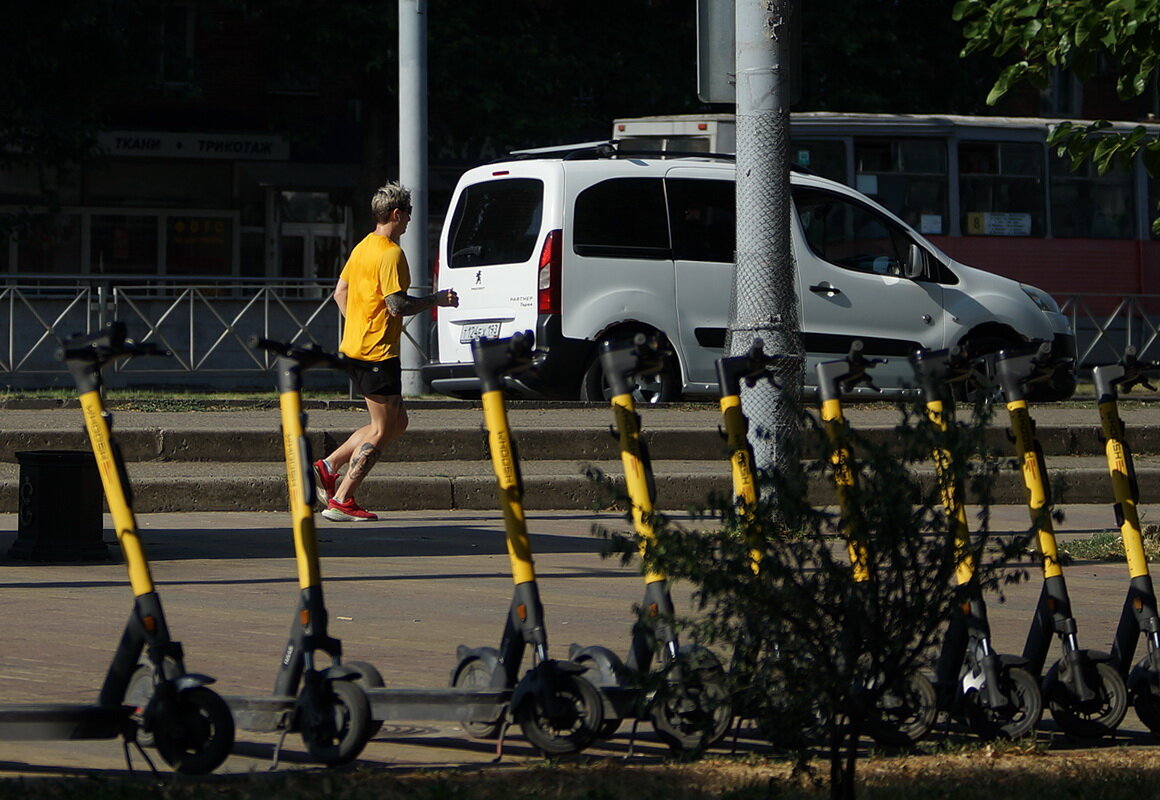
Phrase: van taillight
x=549 y=276
x=435 y=285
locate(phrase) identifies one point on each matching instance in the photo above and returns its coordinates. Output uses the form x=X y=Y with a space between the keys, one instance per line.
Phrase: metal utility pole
x=413 y=175
x=764 y=295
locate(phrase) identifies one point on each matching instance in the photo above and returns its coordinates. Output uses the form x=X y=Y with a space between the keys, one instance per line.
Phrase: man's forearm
x=404 y=305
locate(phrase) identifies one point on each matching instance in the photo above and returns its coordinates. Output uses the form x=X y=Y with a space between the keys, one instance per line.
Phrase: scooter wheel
x=1146 y=699
x=597 y=677
x=569 y=727
x=476 y=674
x=693 y=710
x=199 y=736
x=1096 y=718
x=901 y=720
x=338 y=733
x=369 y=678
x=1018 y=718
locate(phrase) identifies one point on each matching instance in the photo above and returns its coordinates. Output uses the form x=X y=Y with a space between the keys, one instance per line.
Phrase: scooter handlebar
x=496 y=359
x=109 y=344
x=626 y=359
x=306 y=357
x=937 y=367
x=844 y=374
x=751 y=367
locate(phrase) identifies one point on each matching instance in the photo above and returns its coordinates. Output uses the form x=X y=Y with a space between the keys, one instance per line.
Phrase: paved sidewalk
x=402 y=593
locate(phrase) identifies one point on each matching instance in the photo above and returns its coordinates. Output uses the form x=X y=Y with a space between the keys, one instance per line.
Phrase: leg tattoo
x=362 y=461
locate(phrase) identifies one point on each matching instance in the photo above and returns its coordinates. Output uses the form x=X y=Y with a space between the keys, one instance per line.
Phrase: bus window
x=908 y=176
x=1001 y=189
x=825 y=158
x=1087 y=205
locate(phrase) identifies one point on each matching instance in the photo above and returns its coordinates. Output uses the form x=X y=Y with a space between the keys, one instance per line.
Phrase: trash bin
x=61 y=504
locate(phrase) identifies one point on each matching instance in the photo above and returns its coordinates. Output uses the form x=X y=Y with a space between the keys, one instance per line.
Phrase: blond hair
x=386 y=199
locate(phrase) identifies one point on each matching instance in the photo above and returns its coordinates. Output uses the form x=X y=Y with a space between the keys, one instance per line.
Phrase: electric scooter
x=902 y=718
x=995 y=692
x=557 y=708
x=689 y=706
x=325 y=705
x=189 y=724
x=341 y=707
x=1139 y=617
x=1084 y=690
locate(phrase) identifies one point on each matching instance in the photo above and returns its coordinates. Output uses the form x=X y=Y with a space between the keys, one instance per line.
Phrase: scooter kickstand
x=278 y=747
x=499 y=742
x=632 y=739
x=129 y=756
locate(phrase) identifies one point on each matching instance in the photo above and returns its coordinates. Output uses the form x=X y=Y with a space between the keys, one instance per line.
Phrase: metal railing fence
x=206 y=322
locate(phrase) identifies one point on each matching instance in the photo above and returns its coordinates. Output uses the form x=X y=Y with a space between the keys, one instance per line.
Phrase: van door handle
x=826 y=289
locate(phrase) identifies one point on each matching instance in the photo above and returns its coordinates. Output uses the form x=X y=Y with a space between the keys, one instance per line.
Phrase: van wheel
x=663 y=387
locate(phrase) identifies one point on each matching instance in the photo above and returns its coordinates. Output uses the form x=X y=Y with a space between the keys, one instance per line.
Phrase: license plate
x=471 y=332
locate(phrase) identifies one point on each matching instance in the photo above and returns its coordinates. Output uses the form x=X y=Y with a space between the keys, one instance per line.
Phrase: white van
x=585 y=244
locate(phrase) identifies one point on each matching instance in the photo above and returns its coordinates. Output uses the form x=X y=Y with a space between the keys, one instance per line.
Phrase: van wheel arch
x=666 y=386
x=985 y=342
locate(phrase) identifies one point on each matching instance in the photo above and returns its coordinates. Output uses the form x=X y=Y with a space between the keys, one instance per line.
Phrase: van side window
x=702 y=214
x=849 y=234
x=496 y=222
x=622 y=217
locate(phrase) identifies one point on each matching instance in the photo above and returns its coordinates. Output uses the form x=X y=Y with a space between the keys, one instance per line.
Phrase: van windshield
x=497 y=222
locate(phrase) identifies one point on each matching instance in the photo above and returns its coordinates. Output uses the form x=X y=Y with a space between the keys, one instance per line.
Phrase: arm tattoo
x=401 y=304
x=365 y=458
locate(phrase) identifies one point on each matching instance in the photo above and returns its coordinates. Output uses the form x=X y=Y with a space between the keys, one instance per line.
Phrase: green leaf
x=1029 y=10
x=1005 y=80
x=964 y=8
x=1030 y=31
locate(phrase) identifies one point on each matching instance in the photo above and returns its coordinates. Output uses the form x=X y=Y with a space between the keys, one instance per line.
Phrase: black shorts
x=376 y=377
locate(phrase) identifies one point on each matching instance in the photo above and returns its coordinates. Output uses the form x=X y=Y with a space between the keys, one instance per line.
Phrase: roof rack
x=611 y=148
x=608 y=148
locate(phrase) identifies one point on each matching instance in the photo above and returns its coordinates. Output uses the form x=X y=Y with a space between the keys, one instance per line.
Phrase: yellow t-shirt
x=377 y=267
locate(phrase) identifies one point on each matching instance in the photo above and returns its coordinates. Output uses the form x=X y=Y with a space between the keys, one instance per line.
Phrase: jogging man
x=372 y=295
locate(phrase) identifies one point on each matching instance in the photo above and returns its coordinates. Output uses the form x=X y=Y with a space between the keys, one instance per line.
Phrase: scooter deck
x=61 y=721
x=268 y=713
x=442 y=705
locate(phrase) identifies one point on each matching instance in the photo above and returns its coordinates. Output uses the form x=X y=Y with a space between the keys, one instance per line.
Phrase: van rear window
x=497 y=222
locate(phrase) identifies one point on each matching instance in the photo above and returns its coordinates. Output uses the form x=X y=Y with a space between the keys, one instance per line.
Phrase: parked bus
x=986 y=190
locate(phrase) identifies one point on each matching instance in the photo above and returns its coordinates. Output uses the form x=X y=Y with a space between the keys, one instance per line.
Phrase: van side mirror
x=915 y=261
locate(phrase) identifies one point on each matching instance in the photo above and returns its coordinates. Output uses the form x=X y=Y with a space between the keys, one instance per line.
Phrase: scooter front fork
x=1139 y=616
x=1053 y=615
x=653 y=633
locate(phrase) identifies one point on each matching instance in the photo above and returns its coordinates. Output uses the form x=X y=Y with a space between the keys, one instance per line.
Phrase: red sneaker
x=347 y=511
x=325 y=482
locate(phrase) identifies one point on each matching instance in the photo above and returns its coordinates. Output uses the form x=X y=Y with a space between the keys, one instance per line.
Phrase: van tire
x=664 y=387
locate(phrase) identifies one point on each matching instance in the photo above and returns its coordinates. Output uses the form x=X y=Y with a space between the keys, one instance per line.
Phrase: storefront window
x=308 y=207
x=1001 y=189
x=124 y=244
x=49 y=244
x=908 y=176
x=253 y=254
x=142 y=183
x=826 y=158
x=198 y=245
x=1087 y=205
